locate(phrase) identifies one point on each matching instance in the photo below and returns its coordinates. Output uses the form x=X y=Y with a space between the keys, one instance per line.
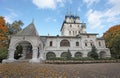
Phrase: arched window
x=73 y=32
x=50 y=55
x=77 y=43
x=64 y=43
x=91 y=43
x=86 y=43
x=78 y=54
x=51 y=43
x=99 y=43
x=69 y=32
x=102 y=54
x=64 y=55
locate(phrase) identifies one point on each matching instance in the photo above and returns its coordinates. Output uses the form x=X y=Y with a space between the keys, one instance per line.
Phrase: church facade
x=74 y=38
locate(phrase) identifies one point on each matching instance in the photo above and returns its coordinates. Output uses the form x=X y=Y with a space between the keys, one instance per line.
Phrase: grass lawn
x=29 y=70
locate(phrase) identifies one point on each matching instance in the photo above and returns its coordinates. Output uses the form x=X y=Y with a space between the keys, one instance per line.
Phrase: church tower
x=72 y=26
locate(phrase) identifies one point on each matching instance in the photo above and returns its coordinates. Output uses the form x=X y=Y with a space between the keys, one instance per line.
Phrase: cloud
x=79 y=9
x=114 y=11
x=70 y=1
x=50 y=19
x=94 y=18
x=90 y=2
x=9 y=18
x=97 y=19
x=48 y=4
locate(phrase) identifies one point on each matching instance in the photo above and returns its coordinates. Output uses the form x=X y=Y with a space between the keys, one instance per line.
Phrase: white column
x=42 y=55
x=11 y=55
x=34 y=56
x=35 y=53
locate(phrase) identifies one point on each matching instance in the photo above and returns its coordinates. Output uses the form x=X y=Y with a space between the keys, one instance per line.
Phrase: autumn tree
x=112 y=38
x=3 y=39
x=3 y=32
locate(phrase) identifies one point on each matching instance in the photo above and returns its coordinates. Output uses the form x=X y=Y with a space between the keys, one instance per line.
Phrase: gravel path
x=28 y=70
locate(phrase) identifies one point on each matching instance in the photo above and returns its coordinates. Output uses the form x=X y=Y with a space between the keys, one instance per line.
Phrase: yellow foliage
x=3 y=32
x=110 y=34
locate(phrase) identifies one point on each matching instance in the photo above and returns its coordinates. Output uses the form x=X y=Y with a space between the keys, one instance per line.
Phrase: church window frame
x=91 y=43
x=73 y=32
x=51 y=43
x=86 y=43
x=99 y=43
x=69 y=32
x=77 y=43
x=64 y=43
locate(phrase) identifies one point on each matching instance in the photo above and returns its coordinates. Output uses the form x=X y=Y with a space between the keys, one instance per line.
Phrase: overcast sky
x=48 y=15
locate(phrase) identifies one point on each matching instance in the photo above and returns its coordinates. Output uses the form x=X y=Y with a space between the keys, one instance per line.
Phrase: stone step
x=22 y=61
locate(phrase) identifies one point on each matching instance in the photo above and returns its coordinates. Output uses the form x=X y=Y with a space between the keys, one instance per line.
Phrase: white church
x=74 y=38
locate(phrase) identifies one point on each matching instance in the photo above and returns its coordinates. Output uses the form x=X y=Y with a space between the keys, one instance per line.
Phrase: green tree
x=69 y=56
x=14 y=27
x=116 y=46
x=93 y=53
x=3 y=53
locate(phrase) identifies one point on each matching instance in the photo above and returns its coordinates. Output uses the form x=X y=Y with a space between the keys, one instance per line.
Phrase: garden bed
x=80 y=62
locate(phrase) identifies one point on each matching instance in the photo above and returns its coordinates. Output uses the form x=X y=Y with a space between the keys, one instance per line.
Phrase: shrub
x=3 y=53
x=93 y=53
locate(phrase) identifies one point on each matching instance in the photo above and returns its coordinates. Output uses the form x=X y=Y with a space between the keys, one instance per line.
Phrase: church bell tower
x=72 y=26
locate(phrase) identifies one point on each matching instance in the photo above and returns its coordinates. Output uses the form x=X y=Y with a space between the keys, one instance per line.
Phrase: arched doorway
x=23 y=50
x=102 y=54
x=18 y=52
x=78 y=54
x=50 y=55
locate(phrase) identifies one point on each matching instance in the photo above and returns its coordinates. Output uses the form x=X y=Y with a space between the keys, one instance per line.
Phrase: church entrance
x=23 y=51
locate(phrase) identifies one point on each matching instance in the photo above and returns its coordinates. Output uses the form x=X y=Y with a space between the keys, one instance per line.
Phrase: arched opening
x=102 y=54
x=64 y=54
x=86 y=43
x=23 y=50
x=50 y=55
x=91 y=43
x=64 y=43
x=78 y=54
x=18 y=52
